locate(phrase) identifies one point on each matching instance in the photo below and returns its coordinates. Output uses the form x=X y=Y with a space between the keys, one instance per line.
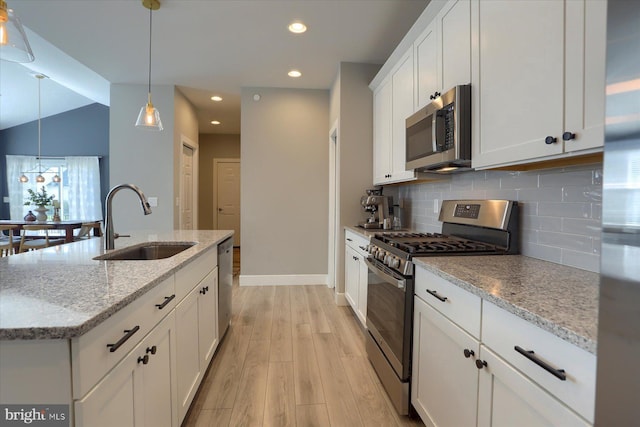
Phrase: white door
x=227 y=196
x=186 y=207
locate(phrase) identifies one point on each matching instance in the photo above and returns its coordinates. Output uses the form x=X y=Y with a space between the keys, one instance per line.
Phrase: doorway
x=187 y=188
x=226 y=196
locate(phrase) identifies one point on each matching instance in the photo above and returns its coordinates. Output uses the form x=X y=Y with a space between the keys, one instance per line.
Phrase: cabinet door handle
x=349 y=240
x=435 y=294
x=128 y=334
x=152 y=349
x=167 y=300
x=468 y=353
x=550 y=140
x=568 y=136
x=143 y=359
x=480 y=363
x=530 y=354
x=204 y=290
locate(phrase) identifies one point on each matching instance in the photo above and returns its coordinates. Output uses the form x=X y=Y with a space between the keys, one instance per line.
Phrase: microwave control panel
x=445 y=127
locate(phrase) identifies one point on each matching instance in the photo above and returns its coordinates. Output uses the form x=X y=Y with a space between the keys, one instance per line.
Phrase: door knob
x=219 y=209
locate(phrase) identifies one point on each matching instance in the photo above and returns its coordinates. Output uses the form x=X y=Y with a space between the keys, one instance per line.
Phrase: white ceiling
x=204 y=47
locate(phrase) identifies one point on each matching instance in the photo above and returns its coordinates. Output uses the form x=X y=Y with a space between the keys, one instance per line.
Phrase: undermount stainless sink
x=146 y=251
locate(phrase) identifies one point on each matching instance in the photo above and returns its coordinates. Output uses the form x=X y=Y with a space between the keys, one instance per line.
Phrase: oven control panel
x=470 y=211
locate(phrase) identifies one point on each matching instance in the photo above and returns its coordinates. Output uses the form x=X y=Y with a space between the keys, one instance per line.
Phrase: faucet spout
x=109 y=233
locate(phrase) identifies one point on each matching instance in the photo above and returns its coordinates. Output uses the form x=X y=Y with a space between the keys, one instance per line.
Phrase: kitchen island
x=78 y=331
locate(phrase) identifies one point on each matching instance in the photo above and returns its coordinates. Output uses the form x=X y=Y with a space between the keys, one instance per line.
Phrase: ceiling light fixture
x=294 y=73
x=14 y=46
x=216 y=98
x=297 y=27
x=149 y=117
x=215 y=122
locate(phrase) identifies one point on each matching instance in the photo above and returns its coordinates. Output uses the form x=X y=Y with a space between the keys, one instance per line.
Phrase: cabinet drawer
x=503 y=332
x=92 y=358
x=356 y=241
x=194 y=272
x=460 y=306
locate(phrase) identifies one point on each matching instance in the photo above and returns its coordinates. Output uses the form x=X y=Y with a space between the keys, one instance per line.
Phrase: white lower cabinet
x=196 y=323
x=474 y=363
x=355 y=274
x=138 y=391
x=506 y=398
x=445 y=378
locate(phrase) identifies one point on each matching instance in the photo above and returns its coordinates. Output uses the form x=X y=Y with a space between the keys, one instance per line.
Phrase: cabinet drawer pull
x=349 y=240
x=167 y=300
x=530 y=354
x=128 y=334
x=143 y=359
x=435 y=294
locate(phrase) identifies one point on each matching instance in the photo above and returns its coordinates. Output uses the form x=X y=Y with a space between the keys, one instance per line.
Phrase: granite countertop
x=61 y=292
x=559 y=299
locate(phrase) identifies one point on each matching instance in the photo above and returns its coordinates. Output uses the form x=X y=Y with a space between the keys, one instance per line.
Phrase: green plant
x=39 y=198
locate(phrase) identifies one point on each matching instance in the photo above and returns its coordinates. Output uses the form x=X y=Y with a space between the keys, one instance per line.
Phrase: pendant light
x=14 y=46
x=40 y=178
x=149 y=117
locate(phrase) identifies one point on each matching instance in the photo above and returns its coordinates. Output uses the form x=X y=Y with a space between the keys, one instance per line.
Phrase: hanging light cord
x=150 y=23
x=39 y=126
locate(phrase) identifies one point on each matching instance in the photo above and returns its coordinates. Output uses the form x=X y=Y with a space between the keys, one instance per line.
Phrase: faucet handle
x=116 y=235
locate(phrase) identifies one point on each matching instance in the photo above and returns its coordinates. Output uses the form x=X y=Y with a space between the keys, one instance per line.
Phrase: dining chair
x=7 y=245
x=37 y=241
x=87 y=230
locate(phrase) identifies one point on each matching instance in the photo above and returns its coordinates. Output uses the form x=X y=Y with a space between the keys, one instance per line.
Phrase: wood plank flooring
x=292 y=358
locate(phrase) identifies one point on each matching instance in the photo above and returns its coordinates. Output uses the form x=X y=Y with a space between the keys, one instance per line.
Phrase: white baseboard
x=287 y=279
x=340 y=299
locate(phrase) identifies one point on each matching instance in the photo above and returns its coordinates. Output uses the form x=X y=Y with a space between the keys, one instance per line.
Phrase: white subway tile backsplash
x=565 y=210
x=561 y=209
x=581 y=194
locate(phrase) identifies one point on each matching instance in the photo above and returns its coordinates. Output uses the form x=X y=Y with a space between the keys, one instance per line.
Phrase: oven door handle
x=399 y=283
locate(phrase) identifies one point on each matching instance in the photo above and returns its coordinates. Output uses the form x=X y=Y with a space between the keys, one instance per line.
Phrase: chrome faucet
x=110 y=236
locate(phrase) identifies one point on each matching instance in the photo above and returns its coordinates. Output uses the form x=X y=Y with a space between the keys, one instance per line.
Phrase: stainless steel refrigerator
x=618 y=376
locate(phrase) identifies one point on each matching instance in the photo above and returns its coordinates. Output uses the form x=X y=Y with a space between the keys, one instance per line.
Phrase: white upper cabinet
x=538 y=79
x=443 y=52
x=392 y=104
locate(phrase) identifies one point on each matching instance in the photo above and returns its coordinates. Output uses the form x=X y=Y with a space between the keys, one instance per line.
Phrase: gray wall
x=212 y=146
x=560 y=208
x=284 y=181
x=141 y=157
x=352 y=105
x=80 y=132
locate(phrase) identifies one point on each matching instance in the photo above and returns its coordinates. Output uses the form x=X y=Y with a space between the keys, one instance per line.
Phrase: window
x=78 y=191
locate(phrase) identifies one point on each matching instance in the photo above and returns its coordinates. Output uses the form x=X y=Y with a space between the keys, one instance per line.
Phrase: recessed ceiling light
x=215 y=122
x=216 y=98
x=294 y=73
x=297 y=27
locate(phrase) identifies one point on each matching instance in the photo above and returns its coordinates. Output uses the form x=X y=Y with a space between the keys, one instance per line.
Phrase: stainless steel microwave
x=438 y=137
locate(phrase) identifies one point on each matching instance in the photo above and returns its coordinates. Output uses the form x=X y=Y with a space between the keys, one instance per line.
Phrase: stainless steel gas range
x=470 y=227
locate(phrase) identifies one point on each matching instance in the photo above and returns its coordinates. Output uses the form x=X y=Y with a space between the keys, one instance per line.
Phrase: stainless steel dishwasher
x=225 y=282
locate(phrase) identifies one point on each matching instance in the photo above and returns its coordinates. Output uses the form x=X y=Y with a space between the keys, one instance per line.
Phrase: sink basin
x=146 y=251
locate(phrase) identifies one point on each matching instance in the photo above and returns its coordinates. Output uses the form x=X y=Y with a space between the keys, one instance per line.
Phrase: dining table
x=68 y=226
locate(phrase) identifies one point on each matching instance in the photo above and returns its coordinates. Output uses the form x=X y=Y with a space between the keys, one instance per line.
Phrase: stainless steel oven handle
x=400 y=284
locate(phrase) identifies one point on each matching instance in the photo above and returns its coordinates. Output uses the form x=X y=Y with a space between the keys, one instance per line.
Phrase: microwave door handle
x=400 y=284
x=434 y=133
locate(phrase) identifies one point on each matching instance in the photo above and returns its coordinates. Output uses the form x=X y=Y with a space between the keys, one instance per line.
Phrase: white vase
x=41 y=213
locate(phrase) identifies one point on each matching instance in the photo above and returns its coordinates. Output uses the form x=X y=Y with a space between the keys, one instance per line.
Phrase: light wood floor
x=292 y=358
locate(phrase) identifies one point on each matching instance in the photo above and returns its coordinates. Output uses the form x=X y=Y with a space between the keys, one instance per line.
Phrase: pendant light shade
x=149 y=117
x=14 y=46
